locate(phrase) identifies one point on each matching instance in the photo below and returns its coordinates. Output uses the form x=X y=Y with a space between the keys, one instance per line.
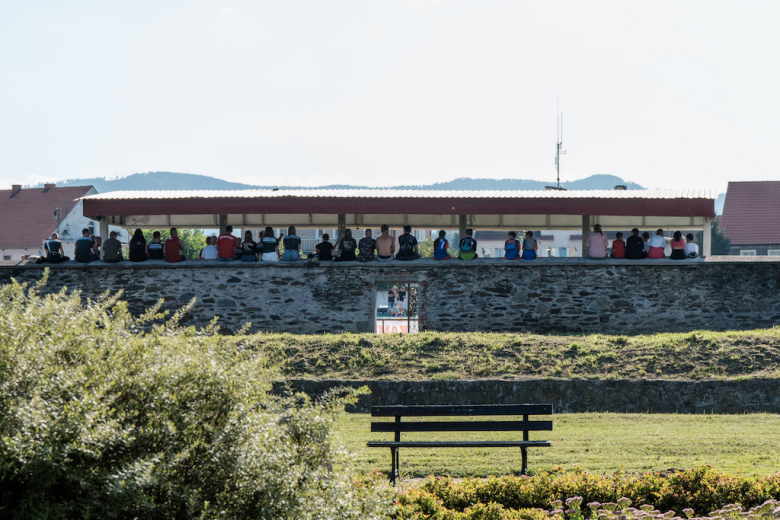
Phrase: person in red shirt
x=173 y=249
x=227 y=244
x=618 y=246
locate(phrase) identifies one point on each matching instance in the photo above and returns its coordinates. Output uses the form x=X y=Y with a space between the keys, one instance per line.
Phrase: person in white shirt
x=210 y=252
x=691 y=249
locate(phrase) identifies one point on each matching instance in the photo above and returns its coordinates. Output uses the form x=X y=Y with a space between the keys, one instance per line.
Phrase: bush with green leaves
x=107 y=415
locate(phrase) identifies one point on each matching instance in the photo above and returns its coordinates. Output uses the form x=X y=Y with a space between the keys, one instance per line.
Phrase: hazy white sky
x=664 y=93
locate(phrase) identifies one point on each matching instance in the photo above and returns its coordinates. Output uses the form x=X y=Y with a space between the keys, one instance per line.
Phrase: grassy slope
x=696 y=355
x=597 y=442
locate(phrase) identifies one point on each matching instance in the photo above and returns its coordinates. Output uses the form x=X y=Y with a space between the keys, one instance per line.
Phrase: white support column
x=706 y=247
x=585 y=235
x=103 y=232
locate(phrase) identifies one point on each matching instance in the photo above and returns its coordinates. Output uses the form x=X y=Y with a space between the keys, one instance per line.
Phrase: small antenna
x=558 y=152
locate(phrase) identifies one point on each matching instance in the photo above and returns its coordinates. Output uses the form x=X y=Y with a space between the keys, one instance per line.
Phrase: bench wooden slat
x=461 y=426
x=461 y=444
x=443 y=410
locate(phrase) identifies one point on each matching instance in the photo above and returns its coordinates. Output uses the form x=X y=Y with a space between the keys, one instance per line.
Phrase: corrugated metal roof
x=407 y=194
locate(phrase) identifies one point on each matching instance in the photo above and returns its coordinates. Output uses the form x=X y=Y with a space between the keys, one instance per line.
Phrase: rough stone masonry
x=545 y=295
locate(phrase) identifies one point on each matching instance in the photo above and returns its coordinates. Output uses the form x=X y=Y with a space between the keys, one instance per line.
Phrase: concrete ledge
x=568 y=396
x=422 y=263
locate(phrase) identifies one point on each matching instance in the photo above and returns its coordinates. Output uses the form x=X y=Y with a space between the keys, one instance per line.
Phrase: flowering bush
x=701 y=489
x=105 y=415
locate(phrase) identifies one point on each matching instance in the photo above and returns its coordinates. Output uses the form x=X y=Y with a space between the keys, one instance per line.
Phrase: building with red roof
x=29 y=216
x=751 y=218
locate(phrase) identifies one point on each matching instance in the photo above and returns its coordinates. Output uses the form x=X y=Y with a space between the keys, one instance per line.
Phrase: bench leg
x=524 y=470
x=394 y=464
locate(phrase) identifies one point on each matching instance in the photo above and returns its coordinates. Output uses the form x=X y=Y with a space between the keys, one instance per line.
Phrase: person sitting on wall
x=511 y=246
x=407 y=245
x=112 y=249
x=691 y=249
x=227 y=244
x=85 y=249
x=366 y=247
x=173 y=248
x=530 y=246
x=53 y=248
x=385 y=245
x=618 y=246
x=657 y=245
x=136 y=248
x=646 y=242
x=597 y=244
x=248 y=248
x=467 y=249
x=210 y=252
x=635 y=246
x=347 y=246
x=324 y=250
x=678 y=247
x=292 y=246
x=154 y=249
x=441 y=247
x=269 y=246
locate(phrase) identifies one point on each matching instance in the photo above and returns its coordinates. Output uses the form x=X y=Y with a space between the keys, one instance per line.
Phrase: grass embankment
x=598 y=442
x=436 y=355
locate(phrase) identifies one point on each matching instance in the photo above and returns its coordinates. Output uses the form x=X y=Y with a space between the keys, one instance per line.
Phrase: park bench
x=471 y=411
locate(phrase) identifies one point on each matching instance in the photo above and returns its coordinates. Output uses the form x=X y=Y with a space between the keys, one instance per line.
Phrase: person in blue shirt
x=530 y=246
x=511 y=246
x=86 y=248
x=440 y=247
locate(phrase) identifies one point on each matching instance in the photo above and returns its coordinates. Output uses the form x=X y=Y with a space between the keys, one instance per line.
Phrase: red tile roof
x=27 y=217
x=751 y=213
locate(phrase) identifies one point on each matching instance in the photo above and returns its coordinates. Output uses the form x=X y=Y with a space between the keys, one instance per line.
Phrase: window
x=747 y=252
x=91 y=228
x=396 y=307
x=6 y=257
x=773 y=252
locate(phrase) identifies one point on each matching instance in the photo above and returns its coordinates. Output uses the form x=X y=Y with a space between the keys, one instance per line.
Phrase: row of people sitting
x=636 y=247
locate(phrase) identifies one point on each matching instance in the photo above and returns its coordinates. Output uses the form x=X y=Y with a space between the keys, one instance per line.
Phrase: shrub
x=106 y=415
x=702 y=489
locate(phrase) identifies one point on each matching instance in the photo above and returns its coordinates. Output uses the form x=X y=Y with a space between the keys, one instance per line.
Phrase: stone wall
x=568 y=396
x=546 y=295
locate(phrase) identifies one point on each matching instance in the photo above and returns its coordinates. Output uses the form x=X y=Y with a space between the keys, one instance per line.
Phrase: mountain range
x=155 y=181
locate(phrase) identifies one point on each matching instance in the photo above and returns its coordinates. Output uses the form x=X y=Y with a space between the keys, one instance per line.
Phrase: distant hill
x=188 y=181
x=154 y=181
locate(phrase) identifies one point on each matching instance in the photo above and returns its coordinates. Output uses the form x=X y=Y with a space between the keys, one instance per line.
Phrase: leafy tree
x=721 y=245
x=107 y=415
x=193 y=239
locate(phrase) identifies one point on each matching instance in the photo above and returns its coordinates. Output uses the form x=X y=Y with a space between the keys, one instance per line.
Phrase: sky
x=668 y=94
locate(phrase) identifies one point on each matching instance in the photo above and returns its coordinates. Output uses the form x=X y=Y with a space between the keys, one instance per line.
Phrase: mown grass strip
x=438 y=355
x=597 y=442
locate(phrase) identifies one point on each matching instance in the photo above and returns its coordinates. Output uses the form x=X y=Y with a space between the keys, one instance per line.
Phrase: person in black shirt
x=137 y=247
x=54 y=251
x=154 y=249
x=270 y=246
x=347 y=247
x=248 y=248
x=635 y=246
x=292 y=246
x=407 y=245
x=324 y=250
x=468 y=246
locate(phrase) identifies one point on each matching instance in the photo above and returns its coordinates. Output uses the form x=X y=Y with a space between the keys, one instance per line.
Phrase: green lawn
x=446 y=355
x=597 y=442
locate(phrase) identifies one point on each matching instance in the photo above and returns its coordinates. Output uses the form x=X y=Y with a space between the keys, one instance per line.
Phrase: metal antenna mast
x=559 y=149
